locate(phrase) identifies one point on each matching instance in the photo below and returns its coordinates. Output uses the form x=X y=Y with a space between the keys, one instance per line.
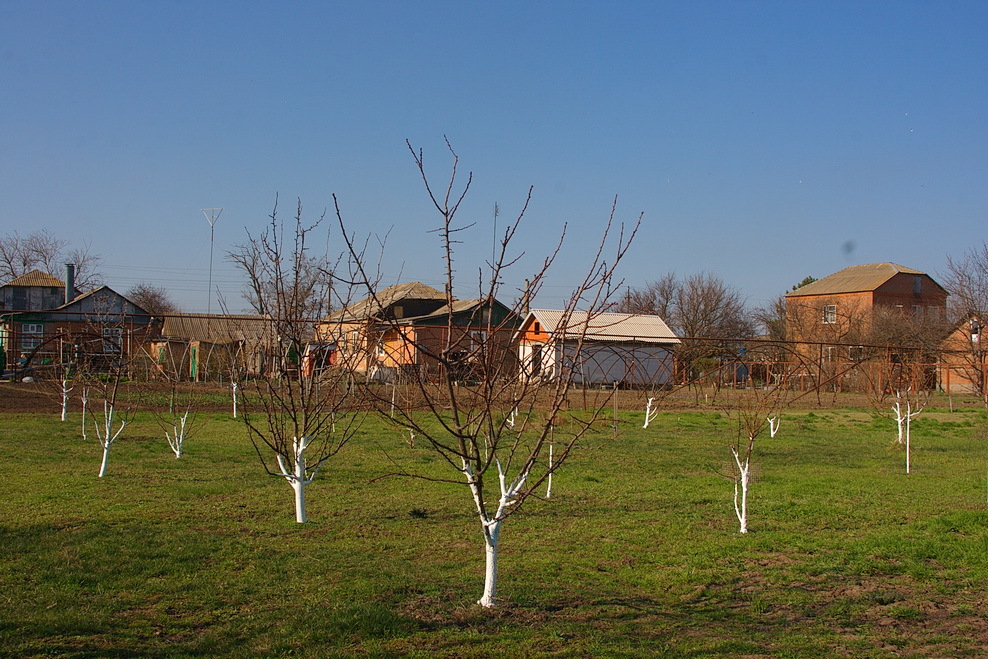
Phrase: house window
x=477 y=339
x=829 y=314
x=538 y=327
x=32 y=335
x=828 y=353
x=536 y=363
x=855 y=353
x=917 y=311
x=917 y=284
x=111 y=339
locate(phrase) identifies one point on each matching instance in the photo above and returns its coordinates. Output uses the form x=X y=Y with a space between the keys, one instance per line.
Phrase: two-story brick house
x=873 y=304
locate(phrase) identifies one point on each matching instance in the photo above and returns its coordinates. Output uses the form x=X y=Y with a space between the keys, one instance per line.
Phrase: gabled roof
x=218 y=328
x=370 y=307
x=854 y=279
x=605 y=327
x=36 y=278
x=458 y=307
x=95 y=292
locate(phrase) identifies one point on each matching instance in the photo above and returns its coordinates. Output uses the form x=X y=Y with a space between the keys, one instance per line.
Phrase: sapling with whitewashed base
x=66 y=390
x=900 y=387
x=751 y=408
x=302 y=418
x=473 y=372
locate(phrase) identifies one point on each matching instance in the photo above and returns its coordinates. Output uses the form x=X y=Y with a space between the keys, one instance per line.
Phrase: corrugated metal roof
x=607 y=326
x=201 y=327
x=854 y=279
x=369 y=307
x=36 y=278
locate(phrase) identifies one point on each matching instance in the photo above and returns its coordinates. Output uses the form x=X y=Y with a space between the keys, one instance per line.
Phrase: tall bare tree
x=493 y=428
x=967 y=280
x=153 y=299
x=705 y=312
x=43 y=250
x=297 y=288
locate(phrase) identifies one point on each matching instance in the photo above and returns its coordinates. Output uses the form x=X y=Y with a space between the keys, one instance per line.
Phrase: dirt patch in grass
x=22 y=397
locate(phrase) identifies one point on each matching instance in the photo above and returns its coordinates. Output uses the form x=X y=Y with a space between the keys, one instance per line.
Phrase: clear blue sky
x=764 y=141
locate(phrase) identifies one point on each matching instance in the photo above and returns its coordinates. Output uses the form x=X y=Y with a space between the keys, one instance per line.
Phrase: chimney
x=69 y=282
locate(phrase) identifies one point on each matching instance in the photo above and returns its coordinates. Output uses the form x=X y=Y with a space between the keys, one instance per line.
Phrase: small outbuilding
x=630 y=350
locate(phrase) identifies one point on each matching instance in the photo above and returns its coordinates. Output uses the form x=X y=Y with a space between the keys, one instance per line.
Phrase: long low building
x=631 y=350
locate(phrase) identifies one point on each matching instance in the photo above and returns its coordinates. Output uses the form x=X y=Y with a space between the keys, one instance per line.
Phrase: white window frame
x=829 y=316
x=32 y=335
x=113 y=340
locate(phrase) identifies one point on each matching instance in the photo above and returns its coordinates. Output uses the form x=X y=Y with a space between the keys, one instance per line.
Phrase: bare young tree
x=300 y=420
x=270 y=290
x=177 y=416
x=491 y=427
x=903 y=389
x=754 y=407
x=101 y=370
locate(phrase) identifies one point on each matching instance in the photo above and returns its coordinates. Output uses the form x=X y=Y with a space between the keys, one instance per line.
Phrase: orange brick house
x=964 y=359
x=833 y=318
x=356 y=331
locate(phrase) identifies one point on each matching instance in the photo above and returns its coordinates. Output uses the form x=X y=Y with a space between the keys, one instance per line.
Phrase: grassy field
x=636 y=554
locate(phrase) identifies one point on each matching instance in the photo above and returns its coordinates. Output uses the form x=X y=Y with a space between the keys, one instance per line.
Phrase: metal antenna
x=497 y=210
x=212 y=214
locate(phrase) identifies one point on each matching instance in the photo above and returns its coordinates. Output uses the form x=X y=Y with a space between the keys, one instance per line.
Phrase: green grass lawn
x=636 y=554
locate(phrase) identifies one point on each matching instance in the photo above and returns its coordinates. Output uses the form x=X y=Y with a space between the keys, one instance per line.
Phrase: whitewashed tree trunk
x=548 y=488
x=65 y=399
x=649 y=414
x=899 y=419
x=492 y=525
x=85 y=403
x=296 y=472
x=773 y=425
x=106 y=436
x=176 y=438
x=904 y=413
x=234 y=385
x=742 y=478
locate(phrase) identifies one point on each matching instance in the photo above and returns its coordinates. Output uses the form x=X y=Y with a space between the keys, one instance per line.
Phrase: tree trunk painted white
x=649 y=414
x=548 y=489
x=743 y=478
x=65 y=399
x=106 y=436
x=492 y=532
x=899 y=419
x=234 y=386
x=176 y=438
x=295 y=472
x=492 y=525
x=85 y=402
x=773 y=425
